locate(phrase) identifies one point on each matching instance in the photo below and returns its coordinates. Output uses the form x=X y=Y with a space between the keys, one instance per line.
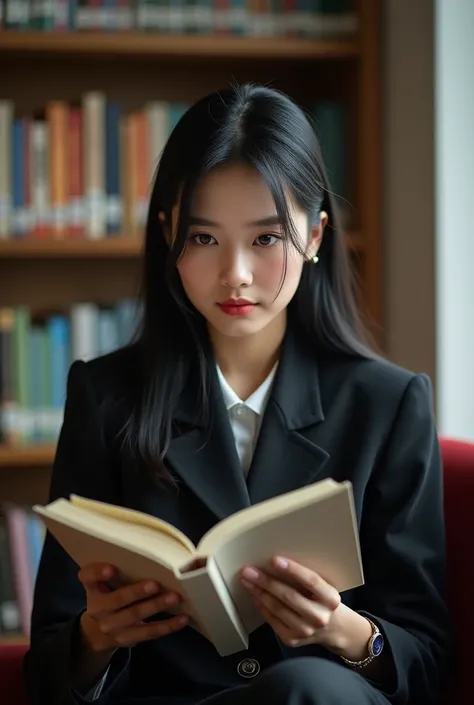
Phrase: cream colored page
x=140 y=539
x=253 y=516
x=321 y=536
x=132 y=565
x=132 y=516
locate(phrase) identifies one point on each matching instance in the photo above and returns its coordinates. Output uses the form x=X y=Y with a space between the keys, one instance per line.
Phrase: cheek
x=192 y=265
x=281 y=275
x=191 y=278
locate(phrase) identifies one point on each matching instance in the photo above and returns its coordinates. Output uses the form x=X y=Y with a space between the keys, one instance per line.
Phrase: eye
x=267 y=240
x=203 y=239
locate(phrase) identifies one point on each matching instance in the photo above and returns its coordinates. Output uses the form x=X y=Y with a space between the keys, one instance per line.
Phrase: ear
x=316 y=236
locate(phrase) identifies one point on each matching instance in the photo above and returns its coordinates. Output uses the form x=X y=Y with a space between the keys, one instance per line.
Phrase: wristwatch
x=375 y=647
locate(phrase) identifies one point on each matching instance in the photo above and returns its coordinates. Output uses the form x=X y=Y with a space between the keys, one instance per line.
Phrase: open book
x=314 y=525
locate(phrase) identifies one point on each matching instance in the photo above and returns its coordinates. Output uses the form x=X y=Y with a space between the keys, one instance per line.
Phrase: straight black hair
x=265 y=129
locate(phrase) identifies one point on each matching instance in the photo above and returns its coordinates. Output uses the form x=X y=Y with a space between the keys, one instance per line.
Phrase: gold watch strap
x=364 y=662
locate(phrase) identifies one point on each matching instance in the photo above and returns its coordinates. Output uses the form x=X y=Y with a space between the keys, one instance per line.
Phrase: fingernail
x=249 y=586
x=250 y=573
x=171 y=599
x=281 y=562
x=150 y=587
x=182 y=620
x=107 y=572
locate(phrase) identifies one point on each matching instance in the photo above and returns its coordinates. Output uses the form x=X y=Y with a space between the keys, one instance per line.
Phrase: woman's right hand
x=115 y=618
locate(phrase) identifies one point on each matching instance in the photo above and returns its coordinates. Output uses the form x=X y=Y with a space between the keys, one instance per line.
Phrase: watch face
x=377 y=645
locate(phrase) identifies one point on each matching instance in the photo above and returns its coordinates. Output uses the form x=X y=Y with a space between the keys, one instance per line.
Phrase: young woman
x=250 y=377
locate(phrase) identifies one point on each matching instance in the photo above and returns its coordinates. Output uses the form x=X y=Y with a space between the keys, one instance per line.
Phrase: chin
x=237 y=328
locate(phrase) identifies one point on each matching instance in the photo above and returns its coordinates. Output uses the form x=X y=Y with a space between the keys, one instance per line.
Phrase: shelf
x=14 y=639
x=148 y=45
x=26 y=456
x=118 y=247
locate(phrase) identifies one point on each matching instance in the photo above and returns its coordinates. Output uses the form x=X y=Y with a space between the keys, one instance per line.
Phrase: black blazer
x=336 y=416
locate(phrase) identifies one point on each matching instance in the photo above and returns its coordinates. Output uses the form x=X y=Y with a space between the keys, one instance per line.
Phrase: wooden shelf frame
x=147 y=45
x=9 y=639
x=117 y=247
x=70 y=248
x=34 y=456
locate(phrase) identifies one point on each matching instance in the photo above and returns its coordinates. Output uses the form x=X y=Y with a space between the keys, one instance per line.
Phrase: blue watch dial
x=377 y=645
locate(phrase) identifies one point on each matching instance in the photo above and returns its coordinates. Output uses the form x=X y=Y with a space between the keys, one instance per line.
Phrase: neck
x=246 y=362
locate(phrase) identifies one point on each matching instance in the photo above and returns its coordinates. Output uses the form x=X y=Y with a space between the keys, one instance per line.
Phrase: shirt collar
x=257 y=401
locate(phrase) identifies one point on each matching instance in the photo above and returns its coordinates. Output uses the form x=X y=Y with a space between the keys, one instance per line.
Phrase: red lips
x=237 y=307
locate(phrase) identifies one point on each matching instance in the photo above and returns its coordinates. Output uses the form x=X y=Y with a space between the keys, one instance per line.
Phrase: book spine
x=158 y=131
x=216 y=615
x=57 y=115
x=94 y=164
x=16 y=518
x=6 y=135
x=19 y=222
x=21 y=337
x=112 y=168
x=76 y=176
x=8 y=403
x=40 y=186
x=9 y=608
x=59 y=335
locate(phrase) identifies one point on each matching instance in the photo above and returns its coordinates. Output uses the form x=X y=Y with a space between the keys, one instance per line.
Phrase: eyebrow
x=268 y=220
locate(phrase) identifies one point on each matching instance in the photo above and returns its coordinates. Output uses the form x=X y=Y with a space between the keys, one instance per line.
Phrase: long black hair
x=265 y=129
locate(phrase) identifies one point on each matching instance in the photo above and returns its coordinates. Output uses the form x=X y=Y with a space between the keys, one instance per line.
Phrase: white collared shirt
x=245 y=417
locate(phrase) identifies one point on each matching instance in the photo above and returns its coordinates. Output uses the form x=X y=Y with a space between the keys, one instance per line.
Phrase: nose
x=236 y=270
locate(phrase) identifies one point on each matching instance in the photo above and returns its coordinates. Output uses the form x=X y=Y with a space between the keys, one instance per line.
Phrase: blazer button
x=248 y=668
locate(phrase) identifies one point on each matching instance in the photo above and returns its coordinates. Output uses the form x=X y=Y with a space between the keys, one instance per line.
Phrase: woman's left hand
x=301 y=607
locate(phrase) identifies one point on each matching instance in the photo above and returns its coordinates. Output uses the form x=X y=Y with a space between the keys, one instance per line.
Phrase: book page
x=320 y=534
x=252 y=516
x=139 y=539
x=132 y=516
x=133 y=563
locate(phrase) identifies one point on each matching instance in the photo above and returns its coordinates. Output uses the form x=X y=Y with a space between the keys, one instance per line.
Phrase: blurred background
x=89 y=92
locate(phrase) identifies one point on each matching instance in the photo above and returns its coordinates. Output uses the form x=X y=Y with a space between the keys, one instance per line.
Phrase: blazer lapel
x=204 y=454
x=286 y=456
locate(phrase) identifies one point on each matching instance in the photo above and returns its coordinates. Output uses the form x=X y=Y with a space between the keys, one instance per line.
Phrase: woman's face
x=233 y=266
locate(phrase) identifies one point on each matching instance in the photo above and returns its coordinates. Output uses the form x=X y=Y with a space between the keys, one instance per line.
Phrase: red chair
x=458 y=460
x=12 y=691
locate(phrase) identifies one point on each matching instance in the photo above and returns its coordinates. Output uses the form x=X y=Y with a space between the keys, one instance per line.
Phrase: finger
x=153 y=630
x=285 y=633
x=135 y=614
x=125 y=596
x=93 y=574
x=313 y=584
x=279 y=596
x=294 y=622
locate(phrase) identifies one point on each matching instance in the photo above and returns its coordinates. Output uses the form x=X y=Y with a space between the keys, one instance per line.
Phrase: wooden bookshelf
x=14 y=639
x=49 y=248
x=118 y=247
x=149 y=46
x=36 y=67
x=26 y=456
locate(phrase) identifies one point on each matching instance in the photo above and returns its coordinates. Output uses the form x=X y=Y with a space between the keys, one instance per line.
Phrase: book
x=314 y=525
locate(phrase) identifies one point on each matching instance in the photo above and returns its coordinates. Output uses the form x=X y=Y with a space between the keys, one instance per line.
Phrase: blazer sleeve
x=83 y=465
x=403 y=550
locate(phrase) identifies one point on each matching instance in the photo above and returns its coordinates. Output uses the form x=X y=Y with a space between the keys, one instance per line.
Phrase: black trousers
x=303 y=681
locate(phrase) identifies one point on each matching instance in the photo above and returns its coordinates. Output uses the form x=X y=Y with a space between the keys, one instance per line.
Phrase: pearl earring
x=315 y=259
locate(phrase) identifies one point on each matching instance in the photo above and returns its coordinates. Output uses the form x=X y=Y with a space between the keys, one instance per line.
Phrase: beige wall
x=409 y=184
